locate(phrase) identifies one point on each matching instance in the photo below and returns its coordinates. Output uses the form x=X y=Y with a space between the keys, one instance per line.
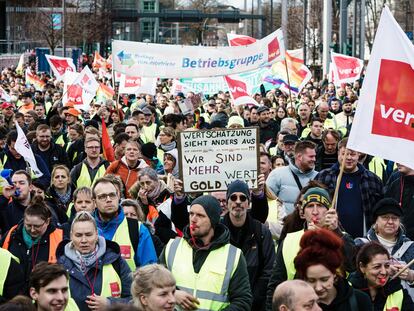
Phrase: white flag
x=384 y=120
x=4 y=96
x=60 y=65
x=22 y=146
x=346 y=69
x=87 y=81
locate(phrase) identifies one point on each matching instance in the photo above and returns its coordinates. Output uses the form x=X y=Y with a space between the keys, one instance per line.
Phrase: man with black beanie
x=211 y=274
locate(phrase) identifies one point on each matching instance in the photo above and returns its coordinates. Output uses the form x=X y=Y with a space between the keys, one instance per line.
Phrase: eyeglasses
x=103 y=196
x=34 y=227
x=241 y=197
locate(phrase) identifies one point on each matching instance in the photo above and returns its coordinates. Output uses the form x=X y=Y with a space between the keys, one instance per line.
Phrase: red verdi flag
x=384 y=120
x=236 y=40
x=346 y=69
x=60 y=65
x=108 y=150
x=238 y=92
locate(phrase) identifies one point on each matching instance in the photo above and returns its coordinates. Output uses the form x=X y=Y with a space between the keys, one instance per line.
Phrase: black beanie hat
x=387 y=206
x=212 y=207
x=238 y=186
x=149 y=150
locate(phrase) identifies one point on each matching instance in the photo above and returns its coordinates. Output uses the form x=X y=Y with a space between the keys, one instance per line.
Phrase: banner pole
x=288 y=80
x=338 y=180
x=113 y=85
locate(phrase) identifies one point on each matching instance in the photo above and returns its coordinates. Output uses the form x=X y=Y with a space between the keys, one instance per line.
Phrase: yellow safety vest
x=111 y=283
x=69 y=209
x=160 y=155
x=148 y=133
x=3 y=161
x=121 y=237
x=291 y=247
x=84 y=179
x=71 y=306
x=273 y=151
x=395 y=300
x=60 y=140
x=6 y=258
x=210 y=286
x=377 y=166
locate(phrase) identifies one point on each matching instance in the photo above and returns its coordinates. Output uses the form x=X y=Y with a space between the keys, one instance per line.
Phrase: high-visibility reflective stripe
x=172 y=252
x=229 y=268
x=203 y=294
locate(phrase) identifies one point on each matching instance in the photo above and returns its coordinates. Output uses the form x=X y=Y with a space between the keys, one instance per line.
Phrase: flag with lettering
x=137 y=85
x=383 y=125
x=346 y=69
x=60 y=65
x=22 y=146
x=238 y=91
x=87 y=81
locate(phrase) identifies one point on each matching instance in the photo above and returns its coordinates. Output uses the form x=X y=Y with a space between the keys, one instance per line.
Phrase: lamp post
x=63 y=27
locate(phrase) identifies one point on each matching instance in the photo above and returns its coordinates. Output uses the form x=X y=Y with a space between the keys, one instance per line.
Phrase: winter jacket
x=279 y=273
x=401 y=188
x=53 y=156
x=144 y=251
x=21 y=164
x=348 y=299
x=79 y=286
x=371 y=188
x=268 y=131
x=29 y=257
x=401 y=239
x=283 y=184
x=256 y=243
x=129 y=175
x=358 y=281
x=239 y=292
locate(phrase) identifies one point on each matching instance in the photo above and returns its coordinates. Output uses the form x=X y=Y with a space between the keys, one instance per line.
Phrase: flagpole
x=339 y=179
x=288 y=80
x=113 y=85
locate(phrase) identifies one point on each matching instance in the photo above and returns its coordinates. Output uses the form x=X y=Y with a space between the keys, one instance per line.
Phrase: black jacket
x=358 y=281
x=401 y=188
x=53 y=156
x=268 y=131
x=347 y=298
x=239 y=288
x=256 y=243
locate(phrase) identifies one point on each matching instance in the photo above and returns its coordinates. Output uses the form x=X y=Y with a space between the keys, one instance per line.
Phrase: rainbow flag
x=104 y=92
x=32 y=79
x=299 y=74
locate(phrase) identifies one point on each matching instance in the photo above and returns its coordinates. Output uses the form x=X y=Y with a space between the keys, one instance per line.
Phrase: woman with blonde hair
x=153 y=288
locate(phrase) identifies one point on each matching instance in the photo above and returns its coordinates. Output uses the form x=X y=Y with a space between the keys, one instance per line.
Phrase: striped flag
x=32 y=79
x=104 y=92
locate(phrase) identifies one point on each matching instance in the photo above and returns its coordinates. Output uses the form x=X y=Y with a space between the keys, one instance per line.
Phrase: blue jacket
x=401 y=238
x=145 y=251
x=79 y=287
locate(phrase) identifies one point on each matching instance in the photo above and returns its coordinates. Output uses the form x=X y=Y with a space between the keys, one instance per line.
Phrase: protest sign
x=384 y=119
x=177 y=61
x=211 y=160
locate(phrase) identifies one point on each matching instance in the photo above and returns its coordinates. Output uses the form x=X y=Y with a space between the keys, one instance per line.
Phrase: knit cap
x=238 y=186
x=212 y=207
x=316 y=194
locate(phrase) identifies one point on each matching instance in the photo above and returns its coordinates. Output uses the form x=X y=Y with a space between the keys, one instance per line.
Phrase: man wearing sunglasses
x=252 y=237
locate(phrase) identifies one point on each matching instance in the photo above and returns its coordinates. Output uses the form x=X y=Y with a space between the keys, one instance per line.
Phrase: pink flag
x=236 y=40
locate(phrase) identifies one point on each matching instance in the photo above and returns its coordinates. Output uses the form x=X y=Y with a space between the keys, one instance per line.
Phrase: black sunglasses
x=234 y=198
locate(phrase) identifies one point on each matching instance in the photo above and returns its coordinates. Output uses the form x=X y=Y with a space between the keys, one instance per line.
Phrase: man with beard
x=132 y=236
x=211 y=273
x=327 y=154
x=304 y=112
x=50 y=152
x=253 y=238
x=268 y=127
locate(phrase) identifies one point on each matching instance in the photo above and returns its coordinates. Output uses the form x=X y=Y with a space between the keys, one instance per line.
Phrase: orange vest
x=54 y=239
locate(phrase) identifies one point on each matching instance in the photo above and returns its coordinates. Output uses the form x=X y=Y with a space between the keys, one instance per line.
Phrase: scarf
x=84 y=262
x=65 y=198
x=161 y=186
x=28 y=240
x=169 y=146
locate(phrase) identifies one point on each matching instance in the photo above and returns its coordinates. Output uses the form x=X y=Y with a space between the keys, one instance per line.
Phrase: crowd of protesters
x=93 y=234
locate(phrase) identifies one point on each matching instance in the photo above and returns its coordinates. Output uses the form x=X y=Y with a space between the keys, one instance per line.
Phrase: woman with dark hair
x=281 y=113
x=319 y=263
x=35 y=239
x=373 y=277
